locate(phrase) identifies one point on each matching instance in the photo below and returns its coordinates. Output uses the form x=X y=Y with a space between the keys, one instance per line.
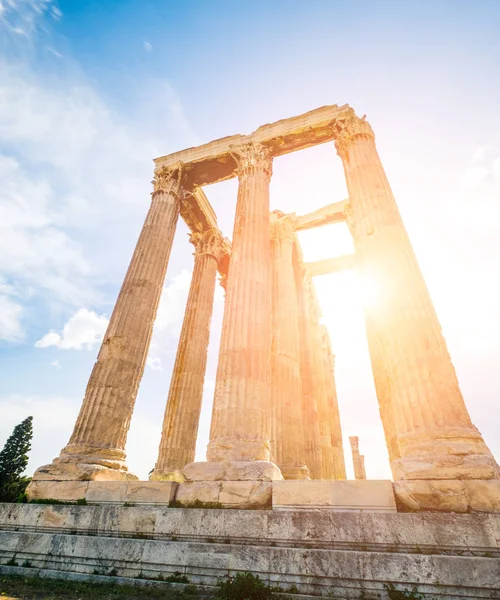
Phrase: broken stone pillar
x=312 y=440
x=239 y=446
x=96 y=449
x=332 y=405
x=441 y=461
x=182 y=415
x=286 y=394
x=358 y=460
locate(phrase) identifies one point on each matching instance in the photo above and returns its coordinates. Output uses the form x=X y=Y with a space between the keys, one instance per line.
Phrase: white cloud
x=154 y=363
x=56 y=364
x=84 y=330
x=148 y=46
x=10 y=319
x=173 y=303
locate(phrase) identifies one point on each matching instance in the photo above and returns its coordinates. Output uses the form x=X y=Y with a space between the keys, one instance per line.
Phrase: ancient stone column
x=428 y=417
x=310 y=382
x=241 y=417
x=96 y=449
x=182 y=414
x=358 y=460
x=332 y=405
x=286 y=394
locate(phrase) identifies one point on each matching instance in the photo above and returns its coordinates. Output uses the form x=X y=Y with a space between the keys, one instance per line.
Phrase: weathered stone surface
x=59 y=490
x=358 y=460
x=288 y=436
x=364 y=495
x=428 y=428
x=182 y=414
x=100 y=433
x=241 y=417
x=446 y=556
x=258 y=470
x=449 y=495
x=145 y=492
x=232 y=494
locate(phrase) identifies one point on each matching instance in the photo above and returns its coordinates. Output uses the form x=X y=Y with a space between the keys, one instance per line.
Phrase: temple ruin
x=275 y=425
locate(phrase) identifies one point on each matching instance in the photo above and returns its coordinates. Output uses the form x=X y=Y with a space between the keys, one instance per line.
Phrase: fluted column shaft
x=310 y=403
x=332 y=406
x=240 y=428
x=288 y=425
x=182 y=414
x=434 y=434
x=101 y=429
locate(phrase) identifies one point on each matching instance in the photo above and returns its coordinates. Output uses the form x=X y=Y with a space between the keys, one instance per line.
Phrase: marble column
x=358 y=460
x=182 y=414
x=96 y=449
x=332 y=405
x=286 y=395
x=430 y=423
x=241 y=417
x=310 y=402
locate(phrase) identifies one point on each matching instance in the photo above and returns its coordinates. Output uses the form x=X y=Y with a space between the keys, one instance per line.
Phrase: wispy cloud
x=148 y=46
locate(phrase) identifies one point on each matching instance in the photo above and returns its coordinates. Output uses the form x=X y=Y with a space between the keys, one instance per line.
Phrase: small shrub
x=244 y=586
x=113 y=573
x=26 y=564
x=395 y=594
x=293 y=589
x=81 y=502
x=176 y=577
x=11 y=562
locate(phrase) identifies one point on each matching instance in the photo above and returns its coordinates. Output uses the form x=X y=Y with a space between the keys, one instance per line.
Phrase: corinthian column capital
x=170 y=181
x=347 y=129
x=252 y=158
x=210 y=242
x=282 y=227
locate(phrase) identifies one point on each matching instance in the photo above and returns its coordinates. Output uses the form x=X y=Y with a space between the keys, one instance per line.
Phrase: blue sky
x=91 y=91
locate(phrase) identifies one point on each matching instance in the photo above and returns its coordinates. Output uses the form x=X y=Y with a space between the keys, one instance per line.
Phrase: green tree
x=13 y=461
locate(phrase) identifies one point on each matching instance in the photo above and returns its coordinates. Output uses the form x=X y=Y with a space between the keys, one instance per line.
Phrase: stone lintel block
x=360 y=495
x=114 y=492
x=449 y=495
x=151 y=492
x=58 y=490
x=257 y=470
x=229 y=494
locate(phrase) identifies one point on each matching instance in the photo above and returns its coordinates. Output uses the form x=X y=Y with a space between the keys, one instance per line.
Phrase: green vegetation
x=244 y=586
x=13 y=461
x=195 y=504
x=37 y=588
x=79 y=502
x=395 y=594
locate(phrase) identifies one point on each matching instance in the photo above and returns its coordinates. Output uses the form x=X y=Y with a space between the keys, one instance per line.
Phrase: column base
x=176 y=475
x=451 y=495
x=455 y=454
x=257 y=470
x=86 y=463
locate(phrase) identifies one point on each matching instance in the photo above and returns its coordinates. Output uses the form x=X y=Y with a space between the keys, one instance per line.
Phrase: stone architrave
x=422 y=406
x=312 y=441
x=332 y=405
x=241 y=417
x=286 y=394
x=182 y=414
x=358 y=461
x=96 y=449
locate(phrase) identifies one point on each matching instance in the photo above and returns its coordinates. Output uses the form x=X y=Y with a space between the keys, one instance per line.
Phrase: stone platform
x=342 y=554
x=361 y=495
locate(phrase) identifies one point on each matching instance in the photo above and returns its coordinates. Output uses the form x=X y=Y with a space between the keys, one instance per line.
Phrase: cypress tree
x=13 y=461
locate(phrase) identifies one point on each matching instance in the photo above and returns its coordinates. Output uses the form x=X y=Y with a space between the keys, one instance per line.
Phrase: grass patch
x=35 y=588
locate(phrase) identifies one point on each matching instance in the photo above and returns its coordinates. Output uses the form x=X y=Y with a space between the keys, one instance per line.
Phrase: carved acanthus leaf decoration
x=252 y=158
x=347 y=129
